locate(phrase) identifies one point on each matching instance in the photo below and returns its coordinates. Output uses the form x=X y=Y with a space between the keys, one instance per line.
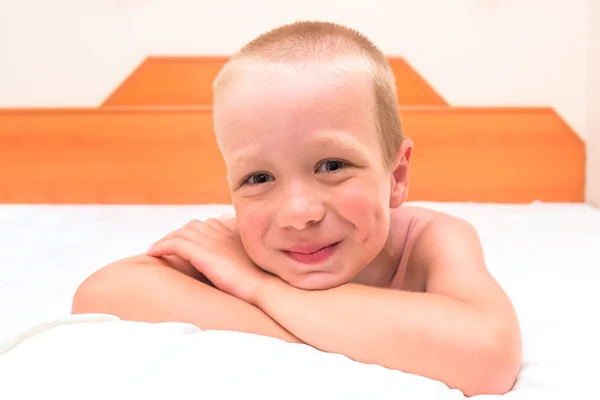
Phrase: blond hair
x=333 y=43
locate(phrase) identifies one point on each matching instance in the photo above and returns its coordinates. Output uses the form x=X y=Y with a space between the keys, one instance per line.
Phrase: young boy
x=321 y=251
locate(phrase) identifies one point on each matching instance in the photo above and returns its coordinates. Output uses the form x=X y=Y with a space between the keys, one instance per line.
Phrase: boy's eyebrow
x=327 y=139
x=324 y=140
x=241 y=158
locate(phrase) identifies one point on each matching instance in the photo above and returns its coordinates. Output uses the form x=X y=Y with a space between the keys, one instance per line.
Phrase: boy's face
x=308 y=182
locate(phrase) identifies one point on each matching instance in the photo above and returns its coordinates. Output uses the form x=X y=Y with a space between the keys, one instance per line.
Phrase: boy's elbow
x=100 y=292
x=89 y=295
x=499 y=361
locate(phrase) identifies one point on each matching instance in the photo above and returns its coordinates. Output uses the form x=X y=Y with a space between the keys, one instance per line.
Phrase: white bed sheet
x=545 y=255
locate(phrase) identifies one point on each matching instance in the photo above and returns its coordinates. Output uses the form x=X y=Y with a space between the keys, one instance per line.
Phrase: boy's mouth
x=311 y=254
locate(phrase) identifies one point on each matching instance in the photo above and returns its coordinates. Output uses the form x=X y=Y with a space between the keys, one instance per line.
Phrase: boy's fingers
x=202 y=227
x=185 y=233
x=216 y=226
x=180 y=247
x=230 y=223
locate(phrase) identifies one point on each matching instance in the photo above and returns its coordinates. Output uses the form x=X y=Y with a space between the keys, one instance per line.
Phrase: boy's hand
x=215 y=249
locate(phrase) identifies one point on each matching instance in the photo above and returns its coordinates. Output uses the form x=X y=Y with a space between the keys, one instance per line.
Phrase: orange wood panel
x=110 y=156
x=412 y=89
x=498 y=155
x=169 y=81
x=188 y=81
x=168 y=155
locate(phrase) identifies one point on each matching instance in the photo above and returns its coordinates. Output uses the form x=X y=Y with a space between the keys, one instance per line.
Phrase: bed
x=81 y=188
x=545 y=256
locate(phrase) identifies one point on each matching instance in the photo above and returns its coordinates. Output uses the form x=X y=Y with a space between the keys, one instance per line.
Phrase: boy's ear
x=401 y=174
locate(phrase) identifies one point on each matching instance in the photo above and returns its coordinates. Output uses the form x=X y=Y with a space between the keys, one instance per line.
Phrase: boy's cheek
x=251 y=222
x=361 y=204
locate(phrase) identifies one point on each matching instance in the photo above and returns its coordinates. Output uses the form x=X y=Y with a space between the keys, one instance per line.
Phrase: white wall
x=593 y=104
x=474 y=52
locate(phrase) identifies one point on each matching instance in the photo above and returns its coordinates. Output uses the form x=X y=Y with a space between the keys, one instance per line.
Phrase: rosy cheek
x=362 y=207
x=357 y=201
x=252 y=222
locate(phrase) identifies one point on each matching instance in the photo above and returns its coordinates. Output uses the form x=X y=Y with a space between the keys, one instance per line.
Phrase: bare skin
x=170 y=289
x=322 y=244
x=150 y=289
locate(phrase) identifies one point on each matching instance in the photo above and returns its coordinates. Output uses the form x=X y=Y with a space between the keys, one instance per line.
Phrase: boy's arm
x=149 y=289
x=463 y=332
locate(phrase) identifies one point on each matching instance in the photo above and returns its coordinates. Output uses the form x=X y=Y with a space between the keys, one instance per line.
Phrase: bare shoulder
x=407 y=226
x=410 y=211
x=449 y=251
x=436 y=235
x=408 y=223
x=442 y=232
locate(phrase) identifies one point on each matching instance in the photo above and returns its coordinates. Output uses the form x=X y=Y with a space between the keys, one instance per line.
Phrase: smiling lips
x=311 y=254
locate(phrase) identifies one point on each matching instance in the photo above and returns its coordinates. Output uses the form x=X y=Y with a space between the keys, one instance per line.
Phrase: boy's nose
x=300 y=208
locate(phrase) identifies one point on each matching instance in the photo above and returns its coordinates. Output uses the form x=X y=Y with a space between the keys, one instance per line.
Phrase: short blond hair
x=325 y=41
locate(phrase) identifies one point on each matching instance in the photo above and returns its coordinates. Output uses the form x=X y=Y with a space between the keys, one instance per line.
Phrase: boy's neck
x=385 y=266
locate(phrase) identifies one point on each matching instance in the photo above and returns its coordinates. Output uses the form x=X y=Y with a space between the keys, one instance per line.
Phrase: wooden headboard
x=151 y=142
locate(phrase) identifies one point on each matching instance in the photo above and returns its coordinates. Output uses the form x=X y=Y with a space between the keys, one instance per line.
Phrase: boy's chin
x=317 y=280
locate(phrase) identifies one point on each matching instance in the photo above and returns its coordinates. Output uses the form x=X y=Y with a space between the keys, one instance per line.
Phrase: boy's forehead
x=295 y=85
x=290 y=101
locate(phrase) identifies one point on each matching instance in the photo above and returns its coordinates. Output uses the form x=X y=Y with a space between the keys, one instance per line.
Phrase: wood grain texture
x=499 y=155
x=168 y=155
x=110 y=156
x=188 y=81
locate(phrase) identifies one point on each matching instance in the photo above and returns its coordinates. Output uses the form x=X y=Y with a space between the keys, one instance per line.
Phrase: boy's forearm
x=149 y=292
x=418 y=333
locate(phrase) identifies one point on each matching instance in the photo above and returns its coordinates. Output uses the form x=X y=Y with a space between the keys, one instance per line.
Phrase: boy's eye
x=258 y=178
x=331 y=166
